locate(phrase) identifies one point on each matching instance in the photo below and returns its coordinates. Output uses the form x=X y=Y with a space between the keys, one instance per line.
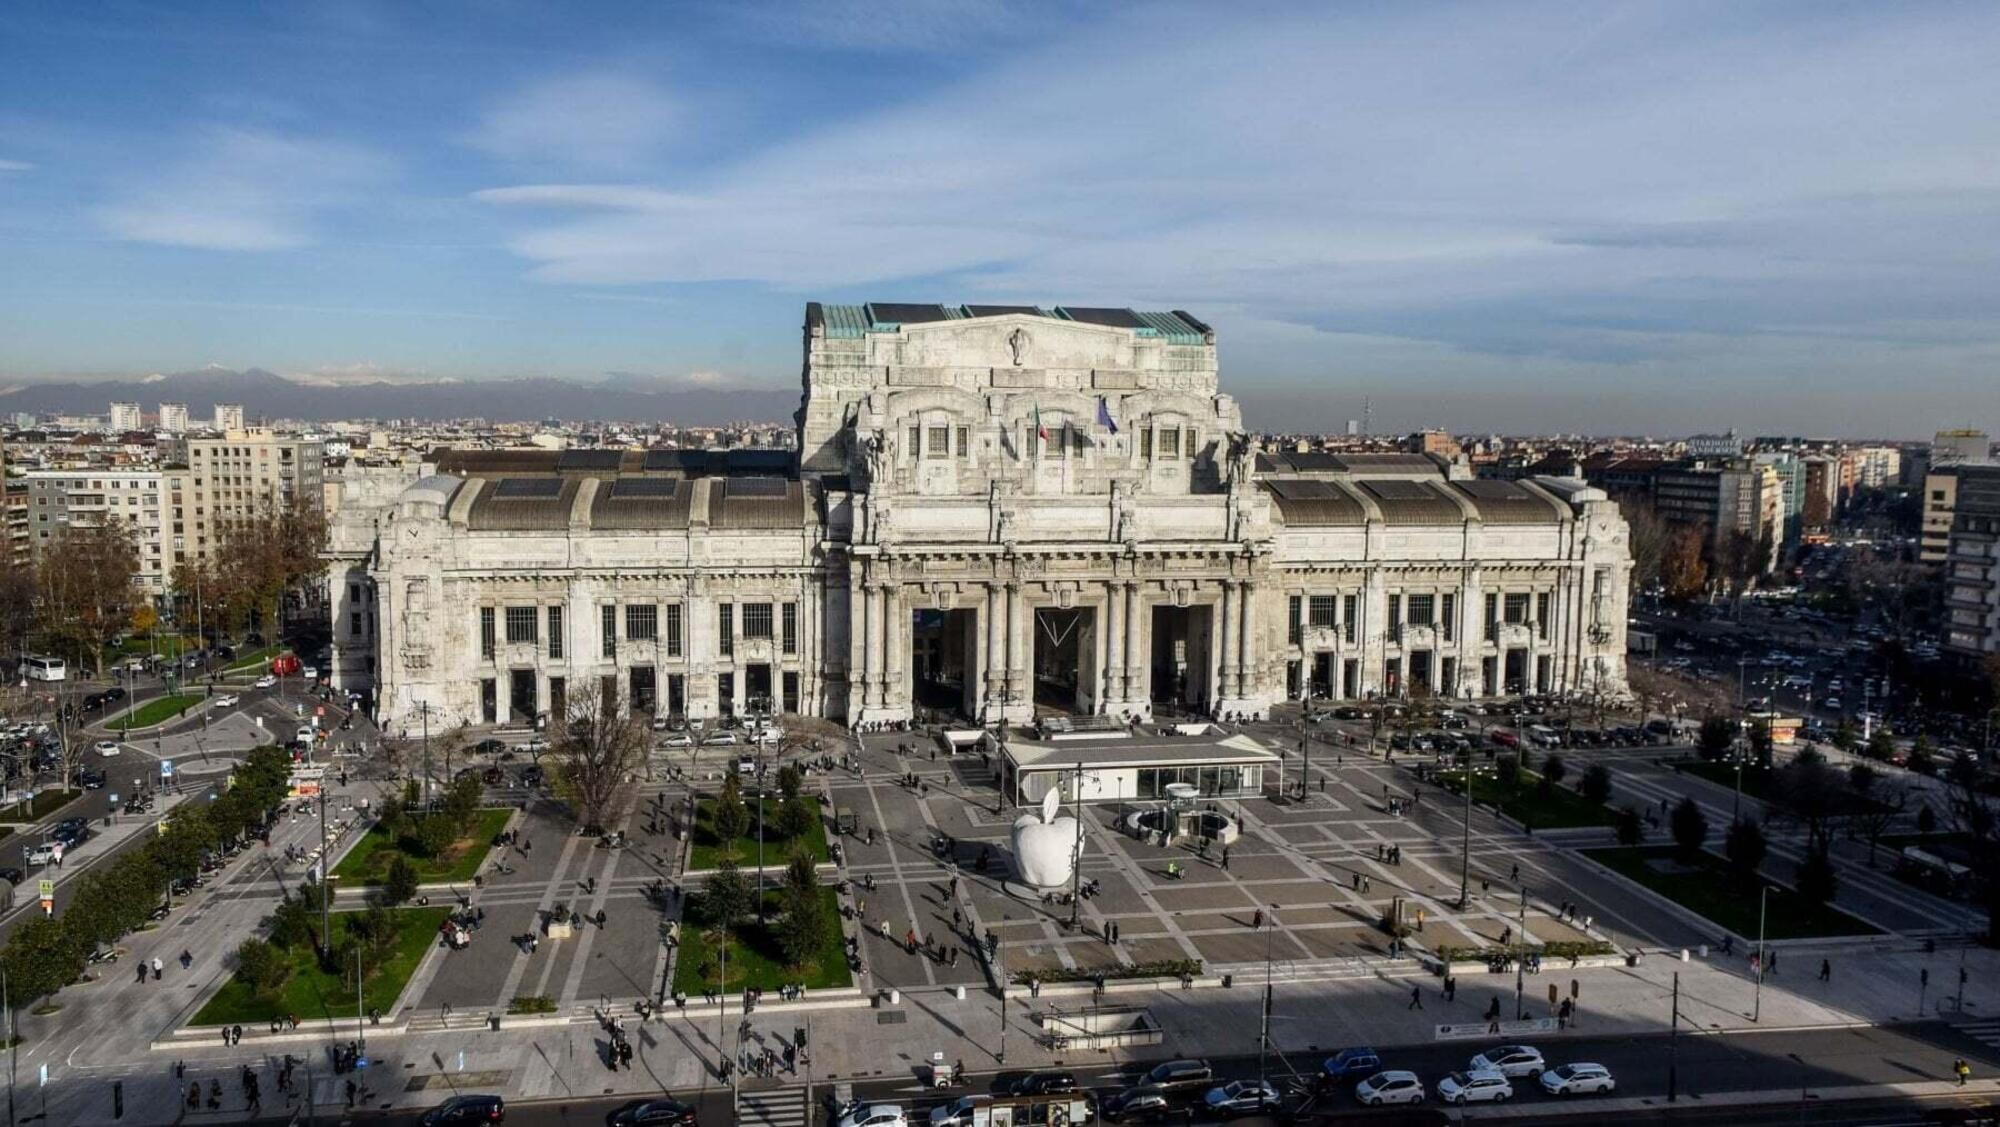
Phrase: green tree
x=728 y=817
x=1553 y=770
x=1862 y=779
x=1816 y=880
x=1881 y=746
x=399 y=884
x=1716 y=737
x=263 y=968
x=790 y=781
x=1760 y=741
x=725 y=896
x=1921 y=761
x=42 y=956
x=1631 y=830
x=461 y=801
x=805 y=925
x=1745 y=847
x=1507 y=769
x=1690 y=829
x=796 y=817
x=1844 y=736
x=1596 y=783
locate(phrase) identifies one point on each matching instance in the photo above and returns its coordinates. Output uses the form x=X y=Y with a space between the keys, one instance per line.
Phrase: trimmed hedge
x=1163 y=968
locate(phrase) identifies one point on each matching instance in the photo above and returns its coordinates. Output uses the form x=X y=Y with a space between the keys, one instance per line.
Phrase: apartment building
x=174 y=418
x=1972 y=564
x=59 y=500
x=126 y=417
x=228 y=417
x=245 y=473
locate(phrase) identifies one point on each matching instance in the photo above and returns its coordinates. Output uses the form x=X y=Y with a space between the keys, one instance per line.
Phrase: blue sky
x=1641 y=217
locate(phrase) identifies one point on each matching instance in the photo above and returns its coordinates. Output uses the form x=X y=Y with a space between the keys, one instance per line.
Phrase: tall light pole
x=1757 y=993
x=1520 y=960
x=1264 y=1035
x=1076 y=850
x=1465 y=852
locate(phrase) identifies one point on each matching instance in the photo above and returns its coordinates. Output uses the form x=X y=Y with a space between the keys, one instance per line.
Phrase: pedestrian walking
x=156 y=968
x=1771 y=963
x=1225 y=858
x=142 y=972
x=1825 y=971
x=1962 y=1069
x=187 y=959
x=1416 y=998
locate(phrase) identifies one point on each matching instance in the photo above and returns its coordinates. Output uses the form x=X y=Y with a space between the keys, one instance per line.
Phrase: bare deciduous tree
x=595 y=756
x=87 y=591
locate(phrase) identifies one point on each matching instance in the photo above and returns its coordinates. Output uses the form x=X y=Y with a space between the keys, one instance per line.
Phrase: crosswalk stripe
x=785 y=1107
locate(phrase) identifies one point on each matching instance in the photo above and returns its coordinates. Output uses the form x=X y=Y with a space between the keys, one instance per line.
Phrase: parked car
x=489 y=747
x=1482 y=1085
x=309 y=672
x=661 y=1112
x=266 y=681
x=12 y=875
x=1045 y=1084
x=1183 y=1077
x=71 y=831
x=960 y=1112
x=464 y=1110
x=226 y=700
x=106 y=748
x=719 y=739
x=1395 y=1086
x=1147 y=1103
x=875 y=1115
x=1577 y=1078
x=1242 y=1097
x=1349 y=1063
x=42 y=853
x=1510 y=1061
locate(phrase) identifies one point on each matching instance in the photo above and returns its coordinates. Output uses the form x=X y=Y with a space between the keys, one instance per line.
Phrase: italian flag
x=1041 y=431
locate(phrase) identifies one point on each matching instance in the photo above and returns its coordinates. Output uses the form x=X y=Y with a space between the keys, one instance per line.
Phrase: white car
x=41 y=853
x=307 y=733
x=682 y=740
x=876 y=1115
x=746 y=765
x=267 y=681
x=960 y=1113
x=309 y=672
x=1483 y=1085
x=226 y=700
x=719 y=739
x=1396 y=1086
x=106 y=748
x=1509 y=1061
x=1575 y=1079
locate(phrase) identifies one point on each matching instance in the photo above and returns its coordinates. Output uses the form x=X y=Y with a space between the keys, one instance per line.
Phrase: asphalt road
x=1799 y=1062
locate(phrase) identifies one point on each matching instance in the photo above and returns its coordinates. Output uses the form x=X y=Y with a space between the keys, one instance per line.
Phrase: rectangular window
x=964 y=446
x=940 y=443
x=486 y=645
x=642 y=622
x=489 y=700
x=521 y=625
x=1542 y=605
x=1170 y=444
x=1348 y=606
x=1395 y=618
x=1321 y=610
x=916 y=440
x=725 y=629
x=555 y=632
x=1448 y=676
x=673 y=630
x=791 y=689
x=725 y=693
x=757 y=620
x=791 y=629
x=1516 y=612
x=1423 y=610
x=609 y=628
x=642 y=688
x=1146 y=442
x=558 y=698
x=1295 y=628
x=1448 y=625
x=354 y=624
x=1492 y=624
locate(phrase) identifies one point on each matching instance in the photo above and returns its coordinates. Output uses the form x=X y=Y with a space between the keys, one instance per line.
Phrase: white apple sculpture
x=1045 y=847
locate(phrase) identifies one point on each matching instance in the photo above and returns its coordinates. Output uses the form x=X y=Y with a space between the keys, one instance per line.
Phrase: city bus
x=37 y=667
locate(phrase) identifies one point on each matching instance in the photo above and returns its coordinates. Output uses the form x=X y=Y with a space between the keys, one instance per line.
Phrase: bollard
x=895 y=996
x=958 y=992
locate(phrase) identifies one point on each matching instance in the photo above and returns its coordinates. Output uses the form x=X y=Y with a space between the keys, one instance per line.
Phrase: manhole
x=891 y=1017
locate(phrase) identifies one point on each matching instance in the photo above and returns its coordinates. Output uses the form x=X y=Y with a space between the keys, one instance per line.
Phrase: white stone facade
x=962 y=531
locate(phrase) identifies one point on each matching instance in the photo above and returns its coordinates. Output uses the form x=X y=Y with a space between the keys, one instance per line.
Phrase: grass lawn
x=255 y=659
x=159 y=710
x=315 y=995
x=754 y=958
x=1759 y=783
x=167 y=645
x=1527 y=803
x=41 y=806
x=708 y=850
x=368 y=862
x=1706 y=890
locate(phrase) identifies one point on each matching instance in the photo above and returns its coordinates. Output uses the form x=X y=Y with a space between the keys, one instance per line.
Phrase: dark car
x=12 y=875
x=1045 y=1084
x=93 y=700
x=1182 y=1077
x=89 y=778
x=1147 y=1103
x=1350 y=1064
x=466 y=1109
x=652 y=1113
x=70 y=831
x=113 y=693
x=490 y=747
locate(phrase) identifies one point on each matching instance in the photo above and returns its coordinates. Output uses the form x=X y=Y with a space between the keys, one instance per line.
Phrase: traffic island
x=708 y=850
x=281 y=982
x=755 y=955
x=454 y=862
x=1706 y=887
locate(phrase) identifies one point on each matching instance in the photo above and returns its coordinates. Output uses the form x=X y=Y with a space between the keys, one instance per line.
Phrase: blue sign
x=166 y=768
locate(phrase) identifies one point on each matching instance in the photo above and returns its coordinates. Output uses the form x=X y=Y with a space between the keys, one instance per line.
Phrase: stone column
x=1135 y=622
x=1114 y=641
x=995 y=625
x=895 y=618
x=1247 y=656
x=1224 y=640
x=1018 y=658
x=857 y=636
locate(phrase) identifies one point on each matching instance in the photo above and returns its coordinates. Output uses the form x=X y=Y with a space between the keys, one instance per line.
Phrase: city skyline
x=1477 y=218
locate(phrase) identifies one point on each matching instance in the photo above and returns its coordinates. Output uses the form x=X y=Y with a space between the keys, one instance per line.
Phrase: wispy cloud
x=1492 y=178
x=594 y=120
x=15 y=166
x=243 y=190
x=885 y=26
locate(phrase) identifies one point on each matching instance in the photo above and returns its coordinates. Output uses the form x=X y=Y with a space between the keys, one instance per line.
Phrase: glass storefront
x=1210 y=780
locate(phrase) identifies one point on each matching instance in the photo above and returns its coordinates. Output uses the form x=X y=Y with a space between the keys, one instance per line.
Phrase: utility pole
x=1674 y=1044
x=722 y=1016
x=1757 y=995
x=13 y=1039
x=360 y=1019
x=1465 y=851
x=1001 y=974
x=1264 y=1035
x=1076 y=851
x=325 y=877
x=1520 y=960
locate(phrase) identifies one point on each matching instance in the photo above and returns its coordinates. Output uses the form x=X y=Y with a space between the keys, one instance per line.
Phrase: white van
x=1541 y=735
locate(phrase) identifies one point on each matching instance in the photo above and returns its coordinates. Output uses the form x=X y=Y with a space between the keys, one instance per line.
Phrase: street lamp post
x=1757 y=994
x=1465 y=852
x=1520 y=957
x=1264 y=1035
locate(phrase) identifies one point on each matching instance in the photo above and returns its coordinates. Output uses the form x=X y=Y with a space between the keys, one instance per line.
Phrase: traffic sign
x=47 y=888
x=166 y=768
